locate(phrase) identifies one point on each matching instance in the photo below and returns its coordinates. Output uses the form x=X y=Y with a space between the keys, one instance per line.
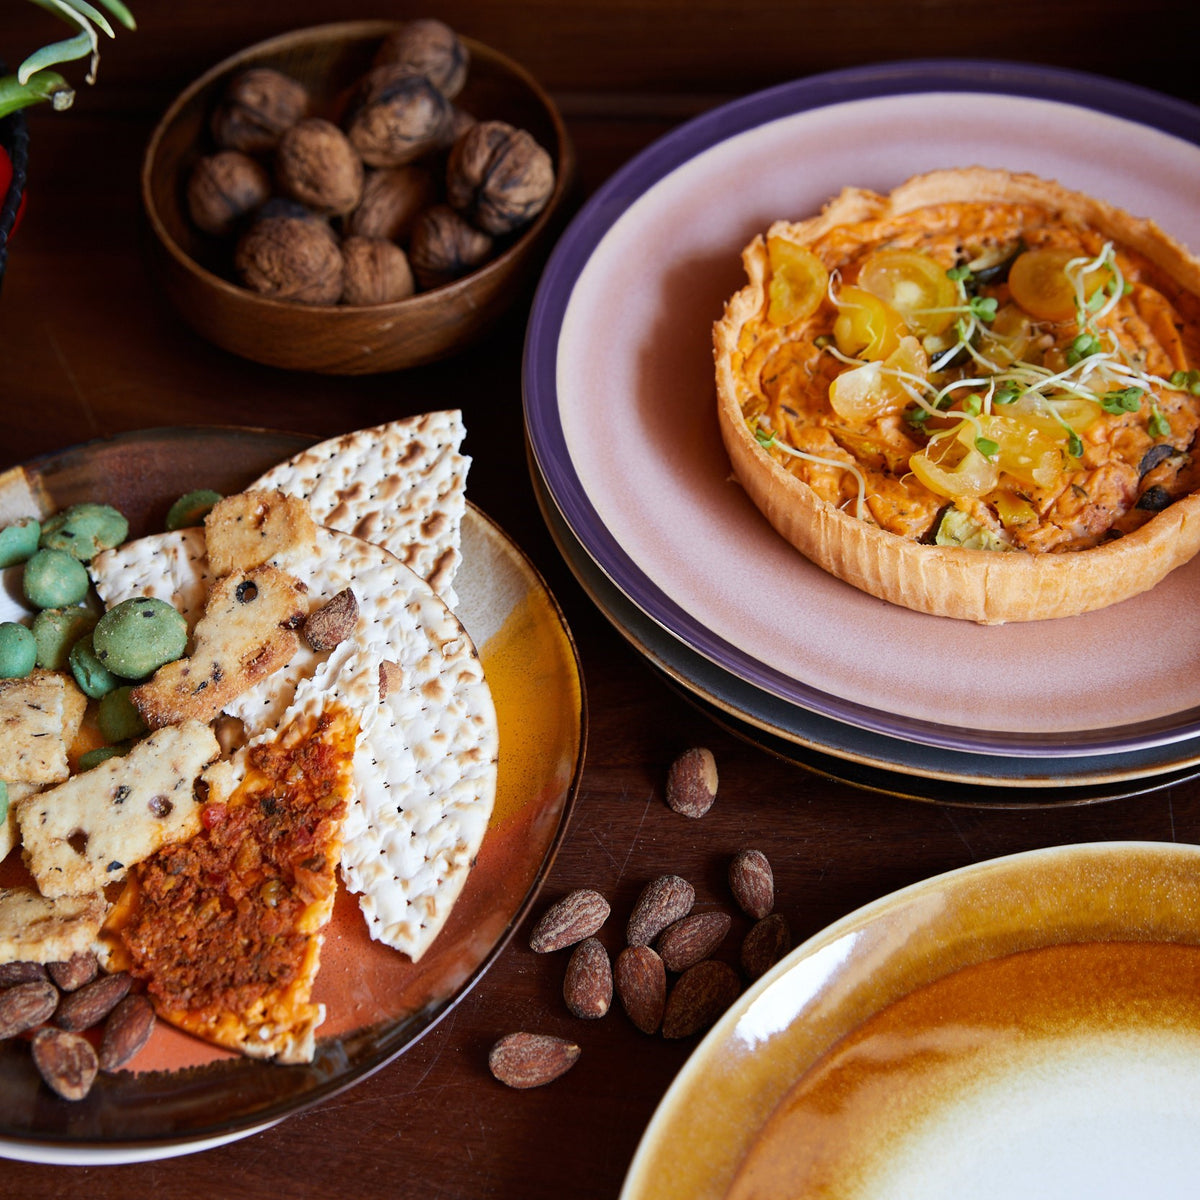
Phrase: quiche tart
x=976 y=396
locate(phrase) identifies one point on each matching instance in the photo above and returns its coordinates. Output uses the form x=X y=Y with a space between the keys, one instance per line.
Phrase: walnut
x=498 y=177
x=377 y=271
x=291 y=258
x=258 y=106
x=223 y=188
x=316 y=165
x=391 y=199
x=398 y=118
x=445 y=245
x=429 y=48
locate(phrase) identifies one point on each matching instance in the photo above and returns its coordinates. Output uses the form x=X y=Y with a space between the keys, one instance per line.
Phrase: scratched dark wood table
x=88 y=348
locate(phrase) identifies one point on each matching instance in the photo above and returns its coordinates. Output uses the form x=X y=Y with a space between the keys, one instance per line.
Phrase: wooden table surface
x=88 y=349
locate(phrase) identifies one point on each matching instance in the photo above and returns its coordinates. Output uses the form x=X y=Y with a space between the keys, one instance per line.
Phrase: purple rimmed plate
x=621 y=415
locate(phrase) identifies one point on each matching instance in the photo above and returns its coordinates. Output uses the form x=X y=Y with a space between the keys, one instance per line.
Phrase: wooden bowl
x=196 y=272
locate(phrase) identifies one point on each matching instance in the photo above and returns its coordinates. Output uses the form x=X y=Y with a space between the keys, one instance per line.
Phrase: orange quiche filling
x=988 y=375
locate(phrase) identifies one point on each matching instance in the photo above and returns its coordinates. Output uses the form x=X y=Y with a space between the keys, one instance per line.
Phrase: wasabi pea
x=138 y=636
x=191 y=509
x=93 y=758
x=18 y=541
x=54 y=579
x=56 y=630
x=18 y=651
x=117 y=716
x=92 y=676
x=83 y=530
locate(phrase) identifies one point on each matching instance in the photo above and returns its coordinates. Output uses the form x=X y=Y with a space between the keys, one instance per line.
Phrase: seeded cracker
x=400 y=485
x=34 y=929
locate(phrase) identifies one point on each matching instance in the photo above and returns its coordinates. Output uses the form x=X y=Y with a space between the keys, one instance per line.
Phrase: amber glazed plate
x=186 y=1096
x=1025 y=1026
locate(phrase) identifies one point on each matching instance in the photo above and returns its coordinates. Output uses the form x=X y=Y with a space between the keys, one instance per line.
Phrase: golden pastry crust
x=983 y=585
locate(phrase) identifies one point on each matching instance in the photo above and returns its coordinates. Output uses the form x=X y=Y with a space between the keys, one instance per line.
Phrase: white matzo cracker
x=172 y=567
x=400 y=485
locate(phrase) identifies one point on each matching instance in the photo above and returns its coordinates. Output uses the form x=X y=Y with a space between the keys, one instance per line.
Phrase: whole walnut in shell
x=377 y=271
x=430 y=48
x=258 y=105
x=398 y=118
x=444 y=245
x=391 y=199
x=498 y=176
x=291 y=258
x=315 y=164
x=225 y=187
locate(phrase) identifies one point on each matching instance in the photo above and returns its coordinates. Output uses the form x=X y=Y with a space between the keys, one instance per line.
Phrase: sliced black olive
x=997 y=272
x=1154 y=499
x=1153 y=456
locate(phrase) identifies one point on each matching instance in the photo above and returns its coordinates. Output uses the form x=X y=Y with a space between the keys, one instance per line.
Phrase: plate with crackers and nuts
x=265 y=821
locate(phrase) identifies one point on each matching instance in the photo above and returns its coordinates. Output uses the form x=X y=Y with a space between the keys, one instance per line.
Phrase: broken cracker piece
x=33 y=731
x=89 y=831
x=36 y=929
x=247 y=633
x=252 y=528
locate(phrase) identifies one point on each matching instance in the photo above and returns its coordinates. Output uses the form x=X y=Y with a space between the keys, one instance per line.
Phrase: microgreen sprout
x=988 y=448
x=960 y=273
x=1158 y=425
x=1086 y=345
x=1124 y=400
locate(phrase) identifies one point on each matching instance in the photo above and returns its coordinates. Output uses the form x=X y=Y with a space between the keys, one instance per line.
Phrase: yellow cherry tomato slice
x=1008 y=337
x=866 y=327
x=1029 y=454
x=798 y=282
x=1042 y=285
x=915 y=285
x=865 y=393
x=951 y=466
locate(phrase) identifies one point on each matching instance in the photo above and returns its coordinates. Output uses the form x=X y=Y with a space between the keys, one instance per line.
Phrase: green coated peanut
x=83 y=530
x=56 y=630
x=92 y=676
x=93 y=758
x=18 y=651
x=18 y=541
x=191 y=509
x=54 y=579
x=117 y=716
x=137 y=636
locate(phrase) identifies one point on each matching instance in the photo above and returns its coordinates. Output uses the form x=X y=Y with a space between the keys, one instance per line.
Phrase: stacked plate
x=627 y=457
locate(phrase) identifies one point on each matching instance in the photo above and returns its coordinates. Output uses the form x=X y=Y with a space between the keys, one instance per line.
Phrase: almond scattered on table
x=66 y=1061
x=126 y=1031
x=80 y=1010
x=692 y=939
x=766 y=943
x=527 y=1060
x=641 y=982
x=588 y=985
x=578 y=915
x=701 y=994
x=753 y=883
x=692 y=782
x=662 y=902
x=25 y=1006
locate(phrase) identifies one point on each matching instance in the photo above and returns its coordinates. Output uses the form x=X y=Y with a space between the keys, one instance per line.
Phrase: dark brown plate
x=191 y=1104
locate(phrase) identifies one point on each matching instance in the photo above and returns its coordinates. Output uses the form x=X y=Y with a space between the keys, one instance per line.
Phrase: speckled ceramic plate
x=378 y=1002
x=620 y=407
x=1026 y=1026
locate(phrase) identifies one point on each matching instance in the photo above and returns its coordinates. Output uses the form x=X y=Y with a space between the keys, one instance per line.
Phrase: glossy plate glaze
x=186 y=1097
x=621 y=412
x=1024 y=1026
x=850 y=754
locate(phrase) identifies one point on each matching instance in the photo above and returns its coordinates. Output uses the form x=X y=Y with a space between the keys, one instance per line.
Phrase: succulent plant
x=35 y=81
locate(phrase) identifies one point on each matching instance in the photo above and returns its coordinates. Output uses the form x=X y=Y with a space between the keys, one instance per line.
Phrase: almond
x=126 y=1031
x=527 y=1060
x=66 y=1061
x=79 y=969
x=700 y=996
x=576 y=916
x=692 y=939
x=766 y=943
x=753 y=883
x=92 y=1002
x=641 y=981
x=692 y=783
x=333 y=622
x=20 y=972
x=26 y=1005
x=588 y=985
x=662 y=902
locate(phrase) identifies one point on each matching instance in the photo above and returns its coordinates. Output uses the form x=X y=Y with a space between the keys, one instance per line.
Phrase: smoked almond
x=588 y=984
x=700 y=996
x=576 y=916
x=661 y=903
x=692 y=939
x=641 y=983
x=528 y=1060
